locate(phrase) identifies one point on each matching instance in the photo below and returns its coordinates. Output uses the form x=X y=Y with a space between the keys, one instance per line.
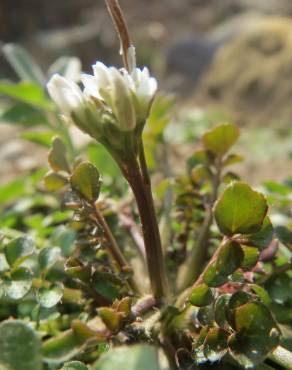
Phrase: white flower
x=126 y=96
x=66 y=94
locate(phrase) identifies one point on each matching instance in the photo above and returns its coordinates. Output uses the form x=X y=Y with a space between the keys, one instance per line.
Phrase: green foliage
x=240 y=210
x=142 y=357
x=19 y=346
x=73 y=278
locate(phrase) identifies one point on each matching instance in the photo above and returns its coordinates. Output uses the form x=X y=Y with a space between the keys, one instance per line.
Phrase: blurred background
x=227 y=60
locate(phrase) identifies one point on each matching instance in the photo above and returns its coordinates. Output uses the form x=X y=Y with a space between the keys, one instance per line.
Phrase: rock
x=252 y=75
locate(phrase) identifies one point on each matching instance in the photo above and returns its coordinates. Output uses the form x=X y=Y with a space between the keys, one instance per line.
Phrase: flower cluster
x=119 y=97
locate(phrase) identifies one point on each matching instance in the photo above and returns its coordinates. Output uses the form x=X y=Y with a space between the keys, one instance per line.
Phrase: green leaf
x=261 y=293
x=26 y=92
x=74 y=365
x=264 y=236
x=19 y=346
x=86 y=181
x=240 y=209
x=230 y=258
x=23 y=64
x=57 y=156
x=232 y=159
x=111 y=318
x=215 y=344
x=48 y=257
x=257 y=334
x=251 y=257
x=206 y=315
x=141 y=357
x=54 y=181
x=24 y=115
x=50 y=297
x=106 y=285
x=18 y=250
x=201 y=296
x=212 y=277
x=221 y=138
x=220 y=311
x=43 y=138
x=19 y=283
x=284 y=235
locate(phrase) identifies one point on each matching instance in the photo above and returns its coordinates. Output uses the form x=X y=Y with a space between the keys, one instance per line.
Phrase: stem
x=283 y=357
x=141 y=187
x=184 y=295
x=121 y=27
x=190 y=270
x=114 y=249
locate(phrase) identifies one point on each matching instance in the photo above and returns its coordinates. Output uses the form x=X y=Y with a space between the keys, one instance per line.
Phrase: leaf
x=24 y=115
x=140 y=356
x=48 y=257
x=220 y=311
x=230 y=258
x=111 y=318
x=106 y=285
x=26 y=92
x=221 y=138
x=19 y=346
x=86 y=181
x=74 y=365
x=54 y=181
x=264 y=236
x=23 y=64
x=50 y=297
x=205 y=315
x=57 y=156
x=261 y=293
x=284 y=235
x=201 y=296
x=240 y=209
x=215 y=344
x=251 y=257
x=18 y=250
x=19 y=284
x=256 y=334
x=232 y=159
x=212 y=277
x=43 y=138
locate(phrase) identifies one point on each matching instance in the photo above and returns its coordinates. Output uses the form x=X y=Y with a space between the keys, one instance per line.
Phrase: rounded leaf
x=18 y=249
x=229 y=258
x=54 y=181
x=57 y=156
x=49 y=297
x=19 y=283
x=20 y=347
x=240 y=210
x=251 y=257
x=215 y=344
x=201 y=296
x=86 y=181
x=220 y=139
x=212 y=277
x=48 y=257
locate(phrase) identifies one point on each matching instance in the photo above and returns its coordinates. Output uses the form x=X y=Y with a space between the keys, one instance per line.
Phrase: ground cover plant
x=204 y=283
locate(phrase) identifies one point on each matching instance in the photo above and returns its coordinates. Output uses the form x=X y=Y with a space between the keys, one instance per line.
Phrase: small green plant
x=208 y=287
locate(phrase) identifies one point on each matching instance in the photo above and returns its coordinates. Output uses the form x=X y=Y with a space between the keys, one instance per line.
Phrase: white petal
x=66 y=94
x=101 y=72
x=91 y=86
